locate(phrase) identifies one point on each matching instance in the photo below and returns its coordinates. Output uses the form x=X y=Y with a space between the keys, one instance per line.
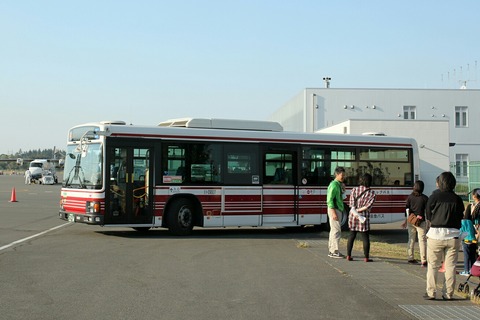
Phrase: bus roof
x=196 y=131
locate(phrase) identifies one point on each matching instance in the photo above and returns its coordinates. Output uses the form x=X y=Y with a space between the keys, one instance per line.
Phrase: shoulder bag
x=412 y=219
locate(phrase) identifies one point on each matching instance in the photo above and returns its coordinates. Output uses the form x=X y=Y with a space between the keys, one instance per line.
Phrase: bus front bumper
x=81 y=218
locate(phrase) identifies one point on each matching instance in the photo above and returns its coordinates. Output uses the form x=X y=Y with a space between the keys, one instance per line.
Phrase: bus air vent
x=378 y=134
x=115 y=122
x=227 y=124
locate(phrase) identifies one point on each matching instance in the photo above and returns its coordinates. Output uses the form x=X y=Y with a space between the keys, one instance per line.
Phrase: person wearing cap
x=445 y=212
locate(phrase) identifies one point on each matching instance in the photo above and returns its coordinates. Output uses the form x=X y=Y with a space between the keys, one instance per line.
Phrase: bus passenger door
x=129 y=187
x=280 y=191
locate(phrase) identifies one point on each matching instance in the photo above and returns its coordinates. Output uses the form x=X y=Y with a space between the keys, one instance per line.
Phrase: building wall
x=294 y=116
x=317 y=108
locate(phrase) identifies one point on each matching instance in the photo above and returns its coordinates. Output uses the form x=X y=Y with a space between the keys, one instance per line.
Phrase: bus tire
x=180 y=217
x=343 y=223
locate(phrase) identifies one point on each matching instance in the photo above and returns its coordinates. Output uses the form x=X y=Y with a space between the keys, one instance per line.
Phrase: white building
x=443 y=122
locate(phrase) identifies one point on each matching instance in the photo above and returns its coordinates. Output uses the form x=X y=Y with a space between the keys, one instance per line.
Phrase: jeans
x=469 y=255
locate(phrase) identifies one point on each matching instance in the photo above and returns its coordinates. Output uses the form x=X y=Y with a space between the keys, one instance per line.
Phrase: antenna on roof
x=462 y=79
x=464 y=82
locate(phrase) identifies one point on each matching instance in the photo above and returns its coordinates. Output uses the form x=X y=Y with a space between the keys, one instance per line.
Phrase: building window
x=409 y=112
x=461 y=165
x=461 y=116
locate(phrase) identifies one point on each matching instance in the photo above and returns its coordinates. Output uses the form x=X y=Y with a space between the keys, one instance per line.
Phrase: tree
x=28 y=155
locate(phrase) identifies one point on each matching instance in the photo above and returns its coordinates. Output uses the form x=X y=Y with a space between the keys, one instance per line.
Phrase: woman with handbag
x=417 y=225
x=361 y=201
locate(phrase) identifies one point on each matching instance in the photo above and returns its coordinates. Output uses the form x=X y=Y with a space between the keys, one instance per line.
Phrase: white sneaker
x=336 y=255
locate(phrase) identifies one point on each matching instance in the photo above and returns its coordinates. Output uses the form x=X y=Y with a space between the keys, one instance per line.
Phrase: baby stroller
x=464 y=287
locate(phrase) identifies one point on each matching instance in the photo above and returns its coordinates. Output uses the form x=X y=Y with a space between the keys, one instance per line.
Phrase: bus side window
x=282 y=176
x=181 y=172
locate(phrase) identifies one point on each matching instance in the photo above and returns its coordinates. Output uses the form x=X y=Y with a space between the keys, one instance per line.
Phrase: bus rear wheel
x=343 y=223
x=180 y=217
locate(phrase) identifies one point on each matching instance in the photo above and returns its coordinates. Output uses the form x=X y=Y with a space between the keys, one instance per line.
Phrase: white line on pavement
x=34 y=236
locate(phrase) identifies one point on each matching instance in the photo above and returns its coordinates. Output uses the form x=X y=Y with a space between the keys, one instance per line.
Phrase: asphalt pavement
x=399 y=283
x=394 y=282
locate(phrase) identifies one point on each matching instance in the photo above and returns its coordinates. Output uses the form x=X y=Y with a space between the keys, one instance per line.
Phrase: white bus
x=218 y=173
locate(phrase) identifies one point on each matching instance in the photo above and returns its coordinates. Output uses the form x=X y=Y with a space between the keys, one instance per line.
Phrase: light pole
x=327 y=82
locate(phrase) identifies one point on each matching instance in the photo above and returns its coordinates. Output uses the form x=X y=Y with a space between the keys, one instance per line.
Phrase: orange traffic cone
x=13 y=198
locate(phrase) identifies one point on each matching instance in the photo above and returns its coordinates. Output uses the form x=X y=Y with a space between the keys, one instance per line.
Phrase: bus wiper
x=77 y=169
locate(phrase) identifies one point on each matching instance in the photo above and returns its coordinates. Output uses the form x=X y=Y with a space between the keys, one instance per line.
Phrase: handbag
x=412 y=219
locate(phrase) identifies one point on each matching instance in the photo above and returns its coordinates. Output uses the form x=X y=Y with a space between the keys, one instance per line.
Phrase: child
x=469 y=245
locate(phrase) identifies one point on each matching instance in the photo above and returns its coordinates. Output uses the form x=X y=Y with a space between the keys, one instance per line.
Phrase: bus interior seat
x=288 y=176
x=279 y=176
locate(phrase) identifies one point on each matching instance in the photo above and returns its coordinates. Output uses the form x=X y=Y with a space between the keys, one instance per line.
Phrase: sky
x=64 y=63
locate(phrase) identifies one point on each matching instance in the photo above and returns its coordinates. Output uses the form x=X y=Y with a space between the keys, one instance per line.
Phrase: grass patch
x=303 y=244
x=381 y=249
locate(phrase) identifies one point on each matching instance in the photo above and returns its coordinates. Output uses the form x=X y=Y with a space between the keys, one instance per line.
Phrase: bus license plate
x=71 y=217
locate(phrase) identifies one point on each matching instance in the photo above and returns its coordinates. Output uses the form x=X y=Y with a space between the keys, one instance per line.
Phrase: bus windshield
x=83 y=166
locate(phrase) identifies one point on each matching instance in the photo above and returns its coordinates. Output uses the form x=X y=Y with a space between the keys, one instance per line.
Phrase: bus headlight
x=93 y=207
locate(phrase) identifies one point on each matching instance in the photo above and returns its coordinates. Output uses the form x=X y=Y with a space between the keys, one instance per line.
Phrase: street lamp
x=327 y=81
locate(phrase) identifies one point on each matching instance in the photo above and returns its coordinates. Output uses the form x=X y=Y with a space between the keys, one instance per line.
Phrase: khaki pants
x=335 y=232
x=438 y=251
x=422 y=241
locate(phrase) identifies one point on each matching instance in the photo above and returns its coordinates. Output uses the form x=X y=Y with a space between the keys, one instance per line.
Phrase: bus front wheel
x=180 y=217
